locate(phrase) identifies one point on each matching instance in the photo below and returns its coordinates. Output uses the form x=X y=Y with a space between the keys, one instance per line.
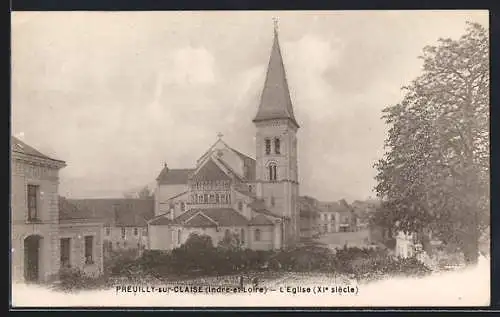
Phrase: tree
x=197 y=243
x=144 y=193
x=230 y=241
x=434 y=176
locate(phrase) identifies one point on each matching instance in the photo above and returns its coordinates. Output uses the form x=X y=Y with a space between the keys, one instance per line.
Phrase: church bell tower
x=276 y=147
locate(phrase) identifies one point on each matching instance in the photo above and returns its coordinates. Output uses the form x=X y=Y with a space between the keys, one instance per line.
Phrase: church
x=230 y=193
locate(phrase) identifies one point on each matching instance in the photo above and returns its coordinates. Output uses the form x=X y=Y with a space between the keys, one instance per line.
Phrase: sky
x=118 y=94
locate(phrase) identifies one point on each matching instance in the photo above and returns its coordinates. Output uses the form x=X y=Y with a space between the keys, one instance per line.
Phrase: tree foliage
x=230 y=241
x=434 y=176
x=144 y=193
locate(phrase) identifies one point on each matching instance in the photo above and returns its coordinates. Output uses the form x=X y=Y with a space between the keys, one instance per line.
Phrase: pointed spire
x=275 y=100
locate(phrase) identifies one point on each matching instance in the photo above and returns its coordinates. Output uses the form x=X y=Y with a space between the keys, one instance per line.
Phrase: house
x=124 y=221
x=47 y=234
x=337 y=217
x=227 y=191
x=364 y=210
x=80 y=236
x=309 y=216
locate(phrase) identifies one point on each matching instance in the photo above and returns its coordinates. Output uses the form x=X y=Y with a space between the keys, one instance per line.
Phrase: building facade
x=337 y=216
x=124 y=221
x=43 y=239
x=309 y=217
x=228 y=192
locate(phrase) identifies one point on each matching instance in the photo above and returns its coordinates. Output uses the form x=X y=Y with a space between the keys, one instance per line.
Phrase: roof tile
x=174 y=176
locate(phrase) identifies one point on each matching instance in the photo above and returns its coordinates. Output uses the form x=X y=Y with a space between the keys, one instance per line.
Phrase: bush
x=309 y=258
x=383 y=266
x=71 y=279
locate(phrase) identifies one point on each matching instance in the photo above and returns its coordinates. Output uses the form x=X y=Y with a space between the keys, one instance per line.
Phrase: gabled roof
x=121 y=212
x=200 y=220
x=161 y=220
x=307 y=207
x=249 y=162
x=223 y=217
x=174 y=176
x=19 y=146
x=258 y=205
x=71 y=213
x=275 y=100
x=340 y=206
x=229 y=168
x=209 y=171
x=260 y=220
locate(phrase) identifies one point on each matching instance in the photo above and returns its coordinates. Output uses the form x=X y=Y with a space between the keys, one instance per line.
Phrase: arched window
x=273 y=201
x=216 y=198
x=257 y=235
x=277 y=144
x=272 y=172
x=242 y=233
x=183 y=206
x=123 y=233
x=240 y=206
x=179 y=236
x=250 y=188
x=268 y=146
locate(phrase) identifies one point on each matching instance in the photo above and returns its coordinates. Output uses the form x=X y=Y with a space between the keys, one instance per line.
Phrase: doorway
x=32 y=258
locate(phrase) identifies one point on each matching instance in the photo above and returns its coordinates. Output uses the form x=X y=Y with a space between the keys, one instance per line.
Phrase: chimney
x=115 y=213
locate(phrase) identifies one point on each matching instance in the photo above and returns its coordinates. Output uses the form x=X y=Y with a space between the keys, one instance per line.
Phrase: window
x=205 y=198
x=240 y=206
x=257 y=235
x=136 y=231
x=89 y=250
x=242 y=233
x=250 y=188
x=272 y=172
x=183 y=206
x=123 y=233
x=33 y=202
x=212 y=198
x=273 y=202
x=108 y=231
x=179 y=236
x=65 y=252
x=216 y=198
x=268 y=146
x=277 y=146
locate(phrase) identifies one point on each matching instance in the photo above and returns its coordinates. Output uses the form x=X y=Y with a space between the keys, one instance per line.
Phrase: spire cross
x=275 y=22
x=220 y=135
